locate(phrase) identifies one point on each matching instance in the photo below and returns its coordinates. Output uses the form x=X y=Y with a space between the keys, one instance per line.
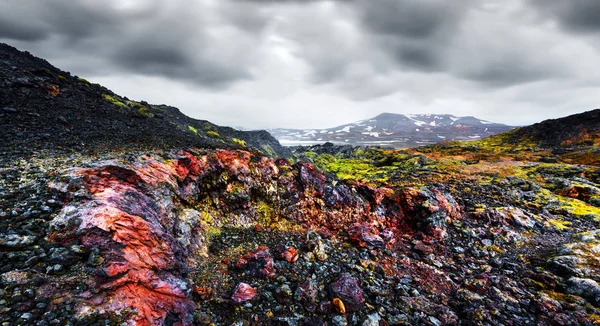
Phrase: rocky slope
x=397 y=130
x=578 y=130
x=478 y=233
x=44 y=107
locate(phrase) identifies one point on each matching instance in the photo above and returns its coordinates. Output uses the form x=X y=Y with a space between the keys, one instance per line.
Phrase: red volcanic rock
x=243 y=292
x=422 y=248
x=348 y=290
x=290 y=255
x=257 y=263
x=133 y=212
x=365 y=235
x=429 y=209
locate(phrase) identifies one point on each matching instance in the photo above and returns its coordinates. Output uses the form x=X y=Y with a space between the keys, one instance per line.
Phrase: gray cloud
x=573 y=15
x=412 y=18
x=156 y=39
x=21 y=31
x=283 y=62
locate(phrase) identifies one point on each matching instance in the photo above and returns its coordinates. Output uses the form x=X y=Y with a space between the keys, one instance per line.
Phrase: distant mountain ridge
x=397 y=130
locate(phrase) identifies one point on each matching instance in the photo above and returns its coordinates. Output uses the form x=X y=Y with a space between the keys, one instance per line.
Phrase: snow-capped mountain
x=397 y=130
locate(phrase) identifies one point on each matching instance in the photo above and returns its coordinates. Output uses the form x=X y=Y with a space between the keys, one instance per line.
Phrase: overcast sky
x=311 y=64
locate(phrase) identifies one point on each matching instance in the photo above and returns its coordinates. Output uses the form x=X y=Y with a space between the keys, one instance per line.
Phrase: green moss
x=113 y=100
x=310 y=155
x=239 y=142
x=208 y=127
x=192 y=129
x=353 y=169
x=61 y=77
x=268 y=150
x=143 y=110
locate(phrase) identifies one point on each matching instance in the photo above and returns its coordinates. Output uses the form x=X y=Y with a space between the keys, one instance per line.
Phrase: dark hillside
x=44 y=107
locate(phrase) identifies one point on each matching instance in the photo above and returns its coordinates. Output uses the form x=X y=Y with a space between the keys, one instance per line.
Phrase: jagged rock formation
x=147 y=220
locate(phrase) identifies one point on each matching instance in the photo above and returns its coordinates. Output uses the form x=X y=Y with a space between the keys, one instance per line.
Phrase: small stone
x=372 y=320
x=16 y=241
x=26 y=316
x=339 y=305
x=365 y=235
x=242 y=293
x=348 y=290
x=434 y=321
x=585 y=288
x=283 y=294
x=290 y=255
x=94 y=259
x=15 y=277
x=339 y=321
x=423 y=249
x=398 y=319
x=257 y=263
x=319 y=251
x=306 y=293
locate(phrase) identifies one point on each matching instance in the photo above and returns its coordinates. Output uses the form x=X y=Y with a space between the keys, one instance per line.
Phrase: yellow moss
x=266 y=216
x=87 y=83
x=574 y=207
x=268 y=150
x=496 y=249
x=559 y=224
x=192 y=129
x=145 y=112
x=213 y=134
x=206 y=218
x=310 y=155
x=562 y=297
x=580 y=208
x=113 y=100
x=595 y=318
x=353 y=169
x=212 y=232
x=239 y=142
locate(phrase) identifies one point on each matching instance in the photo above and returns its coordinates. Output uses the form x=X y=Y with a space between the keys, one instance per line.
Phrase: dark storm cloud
x=17 y=22
x=506 y=75
x=573 y=15
x=21 y=31
x=155 y=39
x=412 y=18
x=416 y=33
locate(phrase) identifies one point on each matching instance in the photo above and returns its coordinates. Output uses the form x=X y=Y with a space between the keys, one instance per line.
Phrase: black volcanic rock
x=397 y=130
x=580 y=129
x=42 y=107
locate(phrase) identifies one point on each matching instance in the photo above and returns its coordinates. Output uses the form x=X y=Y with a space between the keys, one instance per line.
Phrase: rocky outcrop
x=144 y=219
